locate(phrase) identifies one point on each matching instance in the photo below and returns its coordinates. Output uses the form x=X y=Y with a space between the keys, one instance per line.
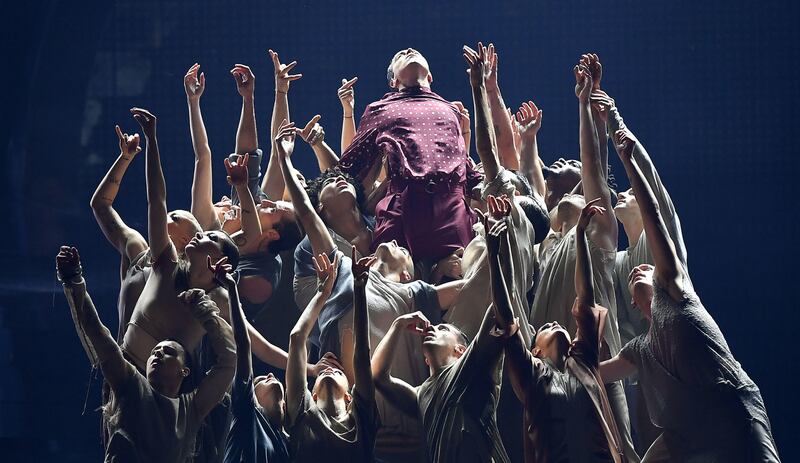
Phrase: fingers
x=592 y=203
x=307 y=129
x=353 y=254
x=348 y=84
x=119 y=133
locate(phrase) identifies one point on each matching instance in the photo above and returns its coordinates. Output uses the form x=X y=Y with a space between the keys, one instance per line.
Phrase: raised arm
x=529 y=118
x=483 y=130
x=593 y=176
x=347 y=97
x=588 y=316
x=464 y=123
x=202 y=203
x=501 y=298
x=592 y=62
x=509 y=158
x=246 y=133
x=668 y=273
x=396 y=391
x=298 y=351
x=247 y=239
x=361 y=357
x=95 y=337
x=157 y=235
x=314 y=135
x=321 y=241
x=220 y=336
x=273 y=184
x=127 y=241
x=244 y=361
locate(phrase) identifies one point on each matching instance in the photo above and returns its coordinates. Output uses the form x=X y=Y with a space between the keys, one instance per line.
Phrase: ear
x=314 y=396
x=348 y=398
x=460 y=349
x=405 y=277
x=393 y=83
x=272 y=234
x=536 y=352
x=430 y=78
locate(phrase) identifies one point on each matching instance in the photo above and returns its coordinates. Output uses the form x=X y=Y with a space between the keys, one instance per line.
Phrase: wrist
x=248 y=98
x=282 y=91
x=347 y=116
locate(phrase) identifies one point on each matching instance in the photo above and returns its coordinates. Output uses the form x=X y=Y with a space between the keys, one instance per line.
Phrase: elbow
x=97 y=203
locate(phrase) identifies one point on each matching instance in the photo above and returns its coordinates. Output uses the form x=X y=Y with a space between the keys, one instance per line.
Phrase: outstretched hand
x=529 y=118
x=237 y=170
x=583 y=82
x=346 y=95
x=476 y=60
x=360 y=267
x=285 y=139
x=624 y=141
x=222 y=271
x=68 y=263
x=592 y=63
x=128 y=144
x=326 y=272
x=146 y=120
x=589 y=210
x=245 y=80
x=601 y=103
x=194 y=85
x=313 y=133
x=490 y=68
x=282 y=76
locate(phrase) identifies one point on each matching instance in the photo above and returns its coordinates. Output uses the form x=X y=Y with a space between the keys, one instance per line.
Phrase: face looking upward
x=407 y=68
x=269 y=393
x=181 y=227
x=331 y=384
x=443 y=339
x=561 y=178
x=396 y=259
x=627 y=208
x=640 y=285
x=166 y=366
x=552 y=341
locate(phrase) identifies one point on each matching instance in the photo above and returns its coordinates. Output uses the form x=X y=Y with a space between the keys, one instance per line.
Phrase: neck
x=420 y=82
x=168 y=391
x=633 y=230
x=436 y=364
x=348 y=225
x=568 y=224
x=201 y=278
x=333 y=408
x=386 y=271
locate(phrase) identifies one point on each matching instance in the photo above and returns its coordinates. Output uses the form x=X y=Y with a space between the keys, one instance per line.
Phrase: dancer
x=698 y=394
x=331 y=419
x=149 y=419
x=567 y=413
x=420 y=134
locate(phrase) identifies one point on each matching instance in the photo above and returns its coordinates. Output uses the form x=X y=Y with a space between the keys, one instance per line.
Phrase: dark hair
x=314 y=187
x=460 y=334
x=290 y=233
x=537 y=214
x=522 y=184
x=229 y=250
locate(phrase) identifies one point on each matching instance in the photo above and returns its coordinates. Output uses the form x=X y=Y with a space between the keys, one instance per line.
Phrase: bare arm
x=395 y=390
x=593 y=176
x=321 y=241
x=347 y=97
x=94 y=335
x=202 y=203
x=509 y=158
x=448 y=292
x=246 y=133
x=247 y=240
x=220 y=335
x=501 y=299
x=158 y=238
x=244 y=361
x=361 y=356
x=273 y=184
x=668 y=271
x=483 y=131
x=298 y=352
x=314 y=135
x=592 y=63
x=127 y=241
x=529 y=118
x=615 y=369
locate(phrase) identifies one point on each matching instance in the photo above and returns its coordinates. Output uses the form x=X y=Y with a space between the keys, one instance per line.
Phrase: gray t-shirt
x=695 y=389
x=314 y=437
x=145 y=426
x=555 y=293
x=459 y=403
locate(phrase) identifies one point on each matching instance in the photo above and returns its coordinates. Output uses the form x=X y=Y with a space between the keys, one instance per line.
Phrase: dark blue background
x=710 y=87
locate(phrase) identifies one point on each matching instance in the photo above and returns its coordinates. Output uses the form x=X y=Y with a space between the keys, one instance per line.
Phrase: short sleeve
x=367 y=417
x=242 y=401
x=632 y=350
x=426 y=300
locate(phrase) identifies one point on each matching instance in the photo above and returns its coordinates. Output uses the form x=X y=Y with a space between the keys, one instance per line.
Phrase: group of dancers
x=426 y=282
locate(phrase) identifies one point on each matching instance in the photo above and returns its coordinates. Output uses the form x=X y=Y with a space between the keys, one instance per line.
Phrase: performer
x=419 y=132
x=698 y=394
x=332 y=420
x=148 y=418
x=567 y=413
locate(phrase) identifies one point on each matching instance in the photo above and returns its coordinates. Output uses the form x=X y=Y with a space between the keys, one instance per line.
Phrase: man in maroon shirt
x=429 y=170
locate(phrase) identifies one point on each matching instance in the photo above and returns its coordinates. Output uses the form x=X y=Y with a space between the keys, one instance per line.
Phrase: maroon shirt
x=420 y=133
